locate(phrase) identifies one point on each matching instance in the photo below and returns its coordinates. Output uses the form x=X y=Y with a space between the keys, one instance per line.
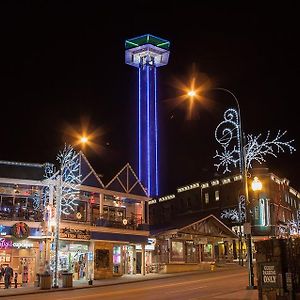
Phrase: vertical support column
x=143 y=211
x=143 y=260
x=88 y=212
x=101 y=200
x=170 y=249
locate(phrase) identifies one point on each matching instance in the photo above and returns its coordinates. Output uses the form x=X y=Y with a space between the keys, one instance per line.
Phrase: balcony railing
x=131 y=223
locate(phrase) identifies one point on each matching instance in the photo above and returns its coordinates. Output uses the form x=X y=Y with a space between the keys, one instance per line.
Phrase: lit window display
x=177 y=251
x=73 y=257
x=117 y=258
x=207 y=252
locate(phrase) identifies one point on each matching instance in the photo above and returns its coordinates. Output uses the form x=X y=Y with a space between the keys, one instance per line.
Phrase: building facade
x=274 y=210
x=106 y=235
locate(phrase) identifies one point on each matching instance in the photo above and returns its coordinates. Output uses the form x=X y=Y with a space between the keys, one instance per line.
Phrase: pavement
x=26 y=290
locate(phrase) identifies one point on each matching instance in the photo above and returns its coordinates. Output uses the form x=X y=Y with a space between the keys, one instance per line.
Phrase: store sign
x=8 y=244
x=3 y=230
x=269 y=274
x=69 y=233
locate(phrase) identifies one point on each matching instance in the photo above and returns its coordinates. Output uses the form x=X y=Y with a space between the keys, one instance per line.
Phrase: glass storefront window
x=73 y=257
x=117 y=258
x=191 y=252
x=207 y=251
x=177 y=251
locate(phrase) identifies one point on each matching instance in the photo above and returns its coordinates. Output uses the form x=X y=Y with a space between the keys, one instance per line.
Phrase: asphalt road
x=229 y=285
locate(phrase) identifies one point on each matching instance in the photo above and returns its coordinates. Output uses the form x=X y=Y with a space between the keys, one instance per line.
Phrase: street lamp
x=256 y=184
x=83 y=140
x=243 y=170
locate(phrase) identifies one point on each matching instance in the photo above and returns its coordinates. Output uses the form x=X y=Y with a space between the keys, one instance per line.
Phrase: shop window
x=117 y=258
x=207 y=252
x=217 y=195
x=95 y=213
x=112 y=213
x=102 y=259
x=7 y=207
x=206 y=198
x=79 y=213
x=20 y=208
x=177 y=253
x=191 y=252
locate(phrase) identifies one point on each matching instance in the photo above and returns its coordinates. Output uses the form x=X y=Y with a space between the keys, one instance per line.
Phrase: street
x=227 y=284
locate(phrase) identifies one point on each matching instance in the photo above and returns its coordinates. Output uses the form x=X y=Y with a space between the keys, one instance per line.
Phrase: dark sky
x=63 y=62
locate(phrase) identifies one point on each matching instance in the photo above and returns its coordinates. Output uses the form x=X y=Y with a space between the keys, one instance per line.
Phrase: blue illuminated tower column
x=147 y=53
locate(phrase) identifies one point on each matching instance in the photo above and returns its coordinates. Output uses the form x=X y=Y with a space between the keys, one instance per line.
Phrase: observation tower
x=147 y=53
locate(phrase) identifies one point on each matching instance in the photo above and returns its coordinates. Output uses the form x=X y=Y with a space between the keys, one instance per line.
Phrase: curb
x=61 y=289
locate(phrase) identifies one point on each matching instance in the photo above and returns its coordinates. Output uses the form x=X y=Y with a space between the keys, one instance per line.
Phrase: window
x=177 y=251
x=206 y=198
x=217 y=195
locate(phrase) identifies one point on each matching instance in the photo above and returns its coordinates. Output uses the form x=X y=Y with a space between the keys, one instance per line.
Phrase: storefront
x=73 y=257
x=22 y=255
x=75 y=253
x=193 y=246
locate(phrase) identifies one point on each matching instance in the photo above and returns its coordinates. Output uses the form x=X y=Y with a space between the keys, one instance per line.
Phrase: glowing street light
x=256 y=184
x=83 y=140
x=192 y=93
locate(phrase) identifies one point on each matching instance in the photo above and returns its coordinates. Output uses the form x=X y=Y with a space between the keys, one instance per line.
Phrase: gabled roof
x=88 y=175
x=207 y=226
x=126 y=181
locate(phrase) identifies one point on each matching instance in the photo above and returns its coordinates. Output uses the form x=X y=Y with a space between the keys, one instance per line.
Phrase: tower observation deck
x=147 y=53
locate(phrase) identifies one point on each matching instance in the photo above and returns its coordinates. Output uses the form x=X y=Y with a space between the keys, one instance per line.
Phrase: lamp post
x=57 y=230
x=243 y=170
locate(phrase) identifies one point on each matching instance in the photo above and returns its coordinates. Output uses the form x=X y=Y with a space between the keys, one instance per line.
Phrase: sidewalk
x=113 y=281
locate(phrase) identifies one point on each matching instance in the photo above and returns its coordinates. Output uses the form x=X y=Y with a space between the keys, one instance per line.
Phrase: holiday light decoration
x=226 y=133
x=236 y=215
x=36 y=200
x=255 y=149
x=69 y=179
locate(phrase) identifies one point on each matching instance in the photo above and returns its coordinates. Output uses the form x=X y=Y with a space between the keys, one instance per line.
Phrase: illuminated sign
x=8 y=244
x=2 y=230
x=75 y=234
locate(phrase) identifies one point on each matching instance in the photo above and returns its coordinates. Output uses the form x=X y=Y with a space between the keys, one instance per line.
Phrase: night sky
x=62 y=66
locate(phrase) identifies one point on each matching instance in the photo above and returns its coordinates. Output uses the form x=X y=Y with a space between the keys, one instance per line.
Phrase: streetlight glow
x=191 y=93
x=84 y=139
x=256 y=184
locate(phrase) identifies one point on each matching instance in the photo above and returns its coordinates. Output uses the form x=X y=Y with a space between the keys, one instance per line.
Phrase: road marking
x=132 y=290
x=186 y=290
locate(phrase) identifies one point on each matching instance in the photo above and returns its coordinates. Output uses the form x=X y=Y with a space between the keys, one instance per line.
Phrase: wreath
x=20 y=230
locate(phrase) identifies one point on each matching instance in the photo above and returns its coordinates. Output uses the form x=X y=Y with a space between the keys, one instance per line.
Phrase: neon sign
x=8 y=244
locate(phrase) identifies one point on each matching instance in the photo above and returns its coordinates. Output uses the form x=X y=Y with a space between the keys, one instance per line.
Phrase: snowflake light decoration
x=255 y=149
x=226 y=133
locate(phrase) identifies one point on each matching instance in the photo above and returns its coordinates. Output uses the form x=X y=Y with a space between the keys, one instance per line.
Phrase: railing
x=132 y=223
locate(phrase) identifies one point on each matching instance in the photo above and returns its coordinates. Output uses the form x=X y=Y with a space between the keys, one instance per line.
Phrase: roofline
x=22 y=164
